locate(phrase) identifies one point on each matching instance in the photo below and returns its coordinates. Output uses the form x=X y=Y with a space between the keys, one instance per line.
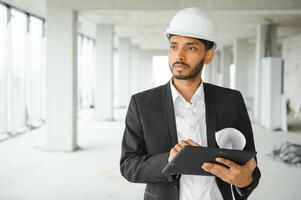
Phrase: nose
x=180 y=55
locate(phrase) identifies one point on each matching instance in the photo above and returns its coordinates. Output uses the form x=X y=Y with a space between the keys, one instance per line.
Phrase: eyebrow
x=188 y=43
x=191 y=43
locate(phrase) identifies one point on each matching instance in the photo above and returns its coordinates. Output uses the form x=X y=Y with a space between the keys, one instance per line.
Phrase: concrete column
x=212 y=70
x=266 y=46
x=135 y=67
x=104 y=72
x=216 y=68
x=61 y=79
x=259 y=54
x=240 y=62
x=124 y=71
x=271 y=110
x=206 y=74
x=146 y=70
x=271 y=49
x=226 y=61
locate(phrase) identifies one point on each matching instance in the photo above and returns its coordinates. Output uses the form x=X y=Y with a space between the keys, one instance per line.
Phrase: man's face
x=186 y=57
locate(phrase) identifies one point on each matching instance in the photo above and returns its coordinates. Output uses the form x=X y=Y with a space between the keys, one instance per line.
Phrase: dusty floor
x=27 y=172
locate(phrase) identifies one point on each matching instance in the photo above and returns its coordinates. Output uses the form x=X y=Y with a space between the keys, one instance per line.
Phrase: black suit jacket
x=150 y=132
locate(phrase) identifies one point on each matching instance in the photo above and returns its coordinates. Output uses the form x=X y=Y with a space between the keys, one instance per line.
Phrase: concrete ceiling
x=145 y=21
x=146 y=27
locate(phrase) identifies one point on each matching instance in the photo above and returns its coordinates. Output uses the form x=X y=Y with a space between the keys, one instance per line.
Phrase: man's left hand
x=235 y=174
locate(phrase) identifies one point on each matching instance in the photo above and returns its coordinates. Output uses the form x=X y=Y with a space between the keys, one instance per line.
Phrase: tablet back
x=190 y=159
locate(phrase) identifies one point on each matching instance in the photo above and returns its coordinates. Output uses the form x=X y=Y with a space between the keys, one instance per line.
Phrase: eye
x=172 y=47
x=192 y=48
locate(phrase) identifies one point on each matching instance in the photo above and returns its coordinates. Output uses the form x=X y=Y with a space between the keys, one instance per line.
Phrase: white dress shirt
x=191 y=124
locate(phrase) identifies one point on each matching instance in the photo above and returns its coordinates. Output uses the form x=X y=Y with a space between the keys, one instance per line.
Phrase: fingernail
x=205 y=165
x=218 y=159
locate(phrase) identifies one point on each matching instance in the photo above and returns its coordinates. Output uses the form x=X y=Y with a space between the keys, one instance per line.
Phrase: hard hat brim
x=168 y=33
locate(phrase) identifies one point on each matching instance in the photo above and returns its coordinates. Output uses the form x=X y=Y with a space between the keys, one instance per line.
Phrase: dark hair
x=208 y=44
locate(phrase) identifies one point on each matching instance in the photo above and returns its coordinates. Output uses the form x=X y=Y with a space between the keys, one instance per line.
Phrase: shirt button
x=176 y=187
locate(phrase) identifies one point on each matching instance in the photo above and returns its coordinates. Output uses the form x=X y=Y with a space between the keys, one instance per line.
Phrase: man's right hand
x=173 y=152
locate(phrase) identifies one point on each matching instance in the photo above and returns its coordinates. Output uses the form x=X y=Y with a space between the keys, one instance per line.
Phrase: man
x=186 y=111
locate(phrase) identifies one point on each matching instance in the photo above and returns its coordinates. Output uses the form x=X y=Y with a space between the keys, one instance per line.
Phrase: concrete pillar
x=206 y=74
x=271 y=109
x=266 y=45
x=104 y=72
x=240 y=62
x=61 y=79
x=259 y=54
x=124 y=71
x=135 y=67
x=271 y=49
x=146 y=70
x=211 y=70
x=216 y=69
x=226 y=61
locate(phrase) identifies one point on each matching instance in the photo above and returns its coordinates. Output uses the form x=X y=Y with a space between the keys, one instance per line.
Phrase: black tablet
x=190 y=159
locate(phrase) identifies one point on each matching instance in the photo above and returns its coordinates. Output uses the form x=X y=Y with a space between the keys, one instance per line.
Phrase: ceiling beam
x=242 y=5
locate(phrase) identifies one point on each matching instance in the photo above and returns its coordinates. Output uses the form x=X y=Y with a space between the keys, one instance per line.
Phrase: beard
x=192 y=73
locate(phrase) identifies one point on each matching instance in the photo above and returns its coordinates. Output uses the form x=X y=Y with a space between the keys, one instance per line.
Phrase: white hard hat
x=193 y=22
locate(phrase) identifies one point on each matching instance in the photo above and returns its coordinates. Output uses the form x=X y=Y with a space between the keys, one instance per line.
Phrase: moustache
x=180 y=63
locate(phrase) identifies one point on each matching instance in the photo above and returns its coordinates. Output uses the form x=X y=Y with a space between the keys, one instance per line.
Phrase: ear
x=209 y=56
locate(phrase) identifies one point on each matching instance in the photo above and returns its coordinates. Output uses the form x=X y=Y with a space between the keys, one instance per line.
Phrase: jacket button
x=176 y=187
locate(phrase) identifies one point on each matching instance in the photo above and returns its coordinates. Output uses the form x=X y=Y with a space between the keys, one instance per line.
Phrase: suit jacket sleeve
x=136 y=165
x=244 y=125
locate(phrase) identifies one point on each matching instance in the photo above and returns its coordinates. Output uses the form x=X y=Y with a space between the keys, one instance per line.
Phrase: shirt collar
x=199 y=93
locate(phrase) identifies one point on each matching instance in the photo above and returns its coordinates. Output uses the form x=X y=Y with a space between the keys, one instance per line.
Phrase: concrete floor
x=92 y=173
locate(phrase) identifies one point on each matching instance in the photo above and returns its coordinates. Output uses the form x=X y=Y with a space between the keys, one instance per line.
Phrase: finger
x=183 y=143
x=217 y=170
x=172 y=154
x=174 y=150
x=192 y=143
x=226 y=162
x=177 y=147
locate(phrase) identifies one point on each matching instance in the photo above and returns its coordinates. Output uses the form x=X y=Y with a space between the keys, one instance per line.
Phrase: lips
x=179 y=65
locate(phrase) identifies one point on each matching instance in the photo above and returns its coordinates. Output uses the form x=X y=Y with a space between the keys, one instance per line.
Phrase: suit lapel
x=210 y=116
x=169 y=115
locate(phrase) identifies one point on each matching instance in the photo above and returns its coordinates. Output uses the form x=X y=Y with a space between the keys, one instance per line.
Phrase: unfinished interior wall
x=291 y=51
